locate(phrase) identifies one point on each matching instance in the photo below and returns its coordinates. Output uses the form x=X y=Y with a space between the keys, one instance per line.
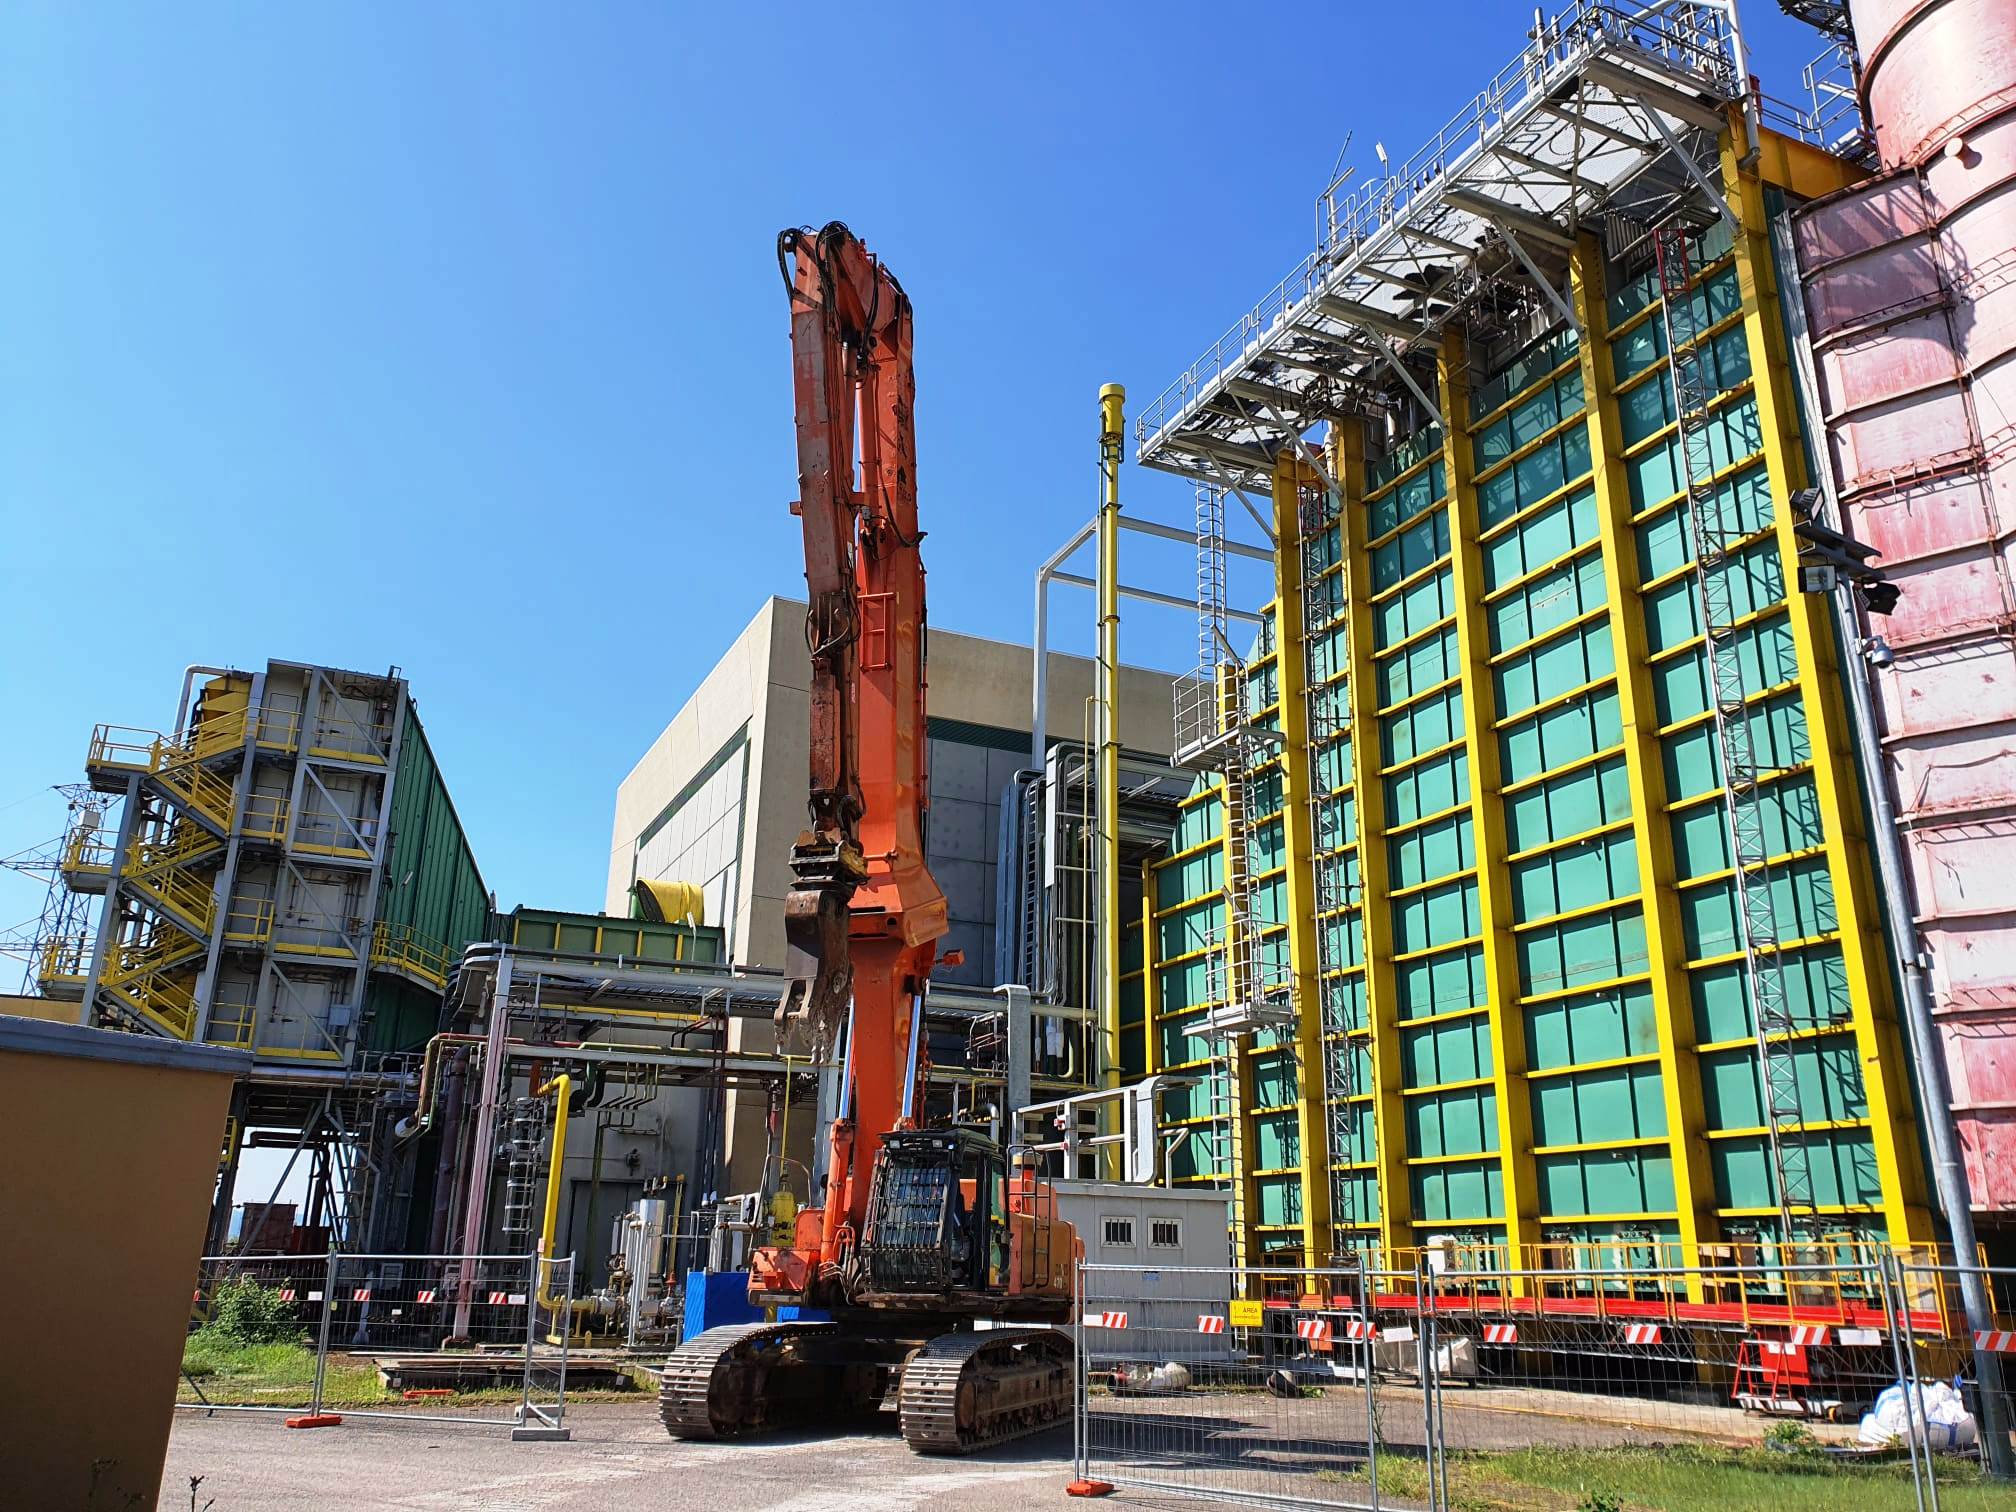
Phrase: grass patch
x=1678 y=1479
x=234 y=1372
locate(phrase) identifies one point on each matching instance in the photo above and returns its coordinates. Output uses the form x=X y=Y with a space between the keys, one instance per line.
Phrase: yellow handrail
x=403 y=947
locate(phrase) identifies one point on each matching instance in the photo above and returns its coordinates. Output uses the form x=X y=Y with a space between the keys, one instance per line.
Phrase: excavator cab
x=935 y=1225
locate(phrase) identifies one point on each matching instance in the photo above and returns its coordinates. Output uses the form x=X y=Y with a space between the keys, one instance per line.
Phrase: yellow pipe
x=562 y=1086
x=1112 y=399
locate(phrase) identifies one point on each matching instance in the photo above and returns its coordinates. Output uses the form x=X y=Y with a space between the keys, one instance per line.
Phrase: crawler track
x=717 y=1384
x=968 y=1391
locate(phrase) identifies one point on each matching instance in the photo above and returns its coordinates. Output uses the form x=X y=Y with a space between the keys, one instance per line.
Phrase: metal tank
x=1910 y=292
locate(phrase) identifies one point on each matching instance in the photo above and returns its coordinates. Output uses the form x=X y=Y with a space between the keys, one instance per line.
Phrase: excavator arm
x=863 y=915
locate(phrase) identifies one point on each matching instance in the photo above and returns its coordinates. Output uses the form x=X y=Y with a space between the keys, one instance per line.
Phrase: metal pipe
x=448 y=1165
x=1928 y=1052
x=477 y=1206
x=562 y=1088
x=1112 y=400
x=1039 y=709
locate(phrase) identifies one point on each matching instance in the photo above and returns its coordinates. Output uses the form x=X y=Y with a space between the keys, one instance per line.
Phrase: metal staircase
x=1213 y=734
x=1323 y=601
x=166 y=879
x=1719 y=536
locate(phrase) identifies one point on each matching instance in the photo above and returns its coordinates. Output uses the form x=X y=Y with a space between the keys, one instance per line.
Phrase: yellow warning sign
x=1248 y=1315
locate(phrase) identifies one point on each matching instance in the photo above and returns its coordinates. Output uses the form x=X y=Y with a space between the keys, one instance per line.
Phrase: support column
x=1106 y=695
x=1487 y=815
x=1878 y=1044
x=1239 y=1078
x=1375 y=913
x=108 y=911
x=1312 y=1114
x=1645 y=771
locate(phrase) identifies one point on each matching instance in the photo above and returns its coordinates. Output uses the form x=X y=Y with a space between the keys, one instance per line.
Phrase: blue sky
x=451 y=336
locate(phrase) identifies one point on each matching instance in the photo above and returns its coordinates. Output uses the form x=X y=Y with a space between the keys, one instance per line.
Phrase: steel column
x=1375 y=913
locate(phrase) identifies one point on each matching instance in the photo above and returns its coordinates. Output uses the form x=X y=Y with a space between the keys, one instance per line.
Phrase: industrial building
x=1580 y=859
x=1525 y=905
x=282 y=872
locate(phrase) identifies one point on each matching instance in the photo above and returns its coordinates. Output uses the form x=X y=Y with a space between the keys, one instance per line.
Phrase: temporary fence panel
x=1247 y=1385
x=382 y=1336
x=1959 y=1414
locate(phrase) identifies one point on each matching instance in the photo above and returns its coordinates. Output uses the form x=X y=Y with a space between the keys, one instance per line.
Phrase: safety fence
x=477 y=1341
x=1359 y=1388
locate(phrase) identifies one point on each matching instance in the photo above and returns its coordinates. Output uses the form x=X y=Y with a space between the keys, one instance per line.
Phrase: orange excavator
x=924 y=1232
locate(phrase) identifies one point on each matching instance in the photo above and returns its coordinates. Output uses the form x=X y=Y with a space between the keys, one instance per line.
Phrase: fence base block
x=1089 y=1488
x=542 y=1435
x=315 y=1420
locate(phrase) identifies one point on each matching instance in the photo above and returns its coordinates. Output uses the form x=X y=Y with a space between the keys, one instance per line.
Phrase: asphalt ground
x=619 y=1457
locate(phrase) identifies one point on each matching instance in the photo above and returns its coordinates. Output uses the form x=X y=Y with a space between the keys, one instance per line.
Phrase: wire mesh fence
x=479 y=1340
x=1430 y=1388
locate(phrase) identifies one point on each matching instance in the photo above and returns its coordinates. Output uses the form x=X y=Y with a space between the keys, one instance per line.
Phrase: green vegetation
x=1679 y=1479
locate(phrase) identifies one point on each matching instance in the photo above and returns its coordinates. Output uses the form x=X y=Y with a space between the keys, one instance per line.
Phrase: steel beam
x=1501 y=215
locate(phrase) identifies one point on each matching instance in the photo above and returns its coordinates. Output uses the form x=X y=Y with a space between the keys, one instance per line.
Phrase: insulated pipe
x=476 y=1209
x=562 y=1088
x=449 y=1161
x=1112 y=399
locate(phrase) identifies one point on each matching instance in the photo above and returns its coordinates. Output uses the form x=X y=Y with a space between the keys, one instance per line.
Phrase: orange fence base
x=316 y=1420
x=1089 y=1488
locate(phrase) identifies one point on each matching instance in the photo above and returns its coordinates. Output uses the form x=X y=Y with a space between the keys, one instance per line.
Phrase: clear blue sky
x=451 y=335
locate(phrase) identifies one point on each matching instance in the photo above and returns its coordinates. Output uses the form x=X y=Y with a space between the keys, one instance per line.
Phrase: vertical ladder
x=1322 y=601
x=1719 y=535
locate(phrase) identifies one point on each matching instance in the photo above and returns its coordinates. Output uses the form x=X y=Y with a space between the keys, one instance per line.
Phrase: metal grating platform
x=1606 y=108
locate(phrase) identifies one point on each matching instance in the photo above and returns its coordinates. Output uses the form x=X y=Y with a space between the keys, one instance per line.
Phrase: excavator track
x=716 y=1384
x=968 y=1391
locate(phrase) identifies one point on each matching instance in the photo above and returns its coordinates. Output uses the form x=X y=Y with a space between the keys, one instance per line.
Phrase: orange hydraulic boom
x=922 y=1230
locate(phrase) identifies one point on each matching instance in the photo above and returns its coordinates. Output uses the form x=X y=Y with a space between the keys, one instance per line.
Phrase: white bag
x=1935 y=1416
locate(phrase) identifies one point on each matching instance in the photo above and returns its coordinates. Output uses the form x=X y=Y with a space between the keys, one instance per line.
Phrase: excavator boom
x=920 y=1231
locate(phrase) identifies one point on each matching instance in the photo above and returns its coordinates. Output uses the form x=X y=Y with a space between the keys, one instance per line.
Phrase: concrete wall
x=105 y=1231
x=761 y=684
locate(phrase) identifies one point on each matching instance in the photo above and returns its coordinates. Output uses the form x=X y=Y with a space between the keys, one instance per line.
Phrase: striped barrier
x=1208 y=1323
x=1106 y=1320
x=1995 y=1340
x=1501 y=1333
x=1313 y=1330
x=1642 y=1333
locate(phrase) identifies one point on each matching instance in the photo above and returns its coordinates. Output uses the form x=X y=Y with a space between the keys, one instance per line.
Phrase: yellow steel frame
x=1241 y=1171
x=1312 y=1133
x=1877 y=1043
x=1665 y=947
x=1480 y=744
x=1375 y=910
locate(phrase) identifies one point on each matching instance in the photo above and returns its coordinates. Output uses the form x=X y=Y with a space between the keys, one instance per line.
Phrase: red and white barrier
x=1807 y=1337
x=425 y=1296
x=361 y=1294
x=1501 y=1333
x=1106 y=1320
x=1641 y=1333
x=1359 y=1328
x=1210 y=1324
x=1995 y=1340
x=1313 y=1330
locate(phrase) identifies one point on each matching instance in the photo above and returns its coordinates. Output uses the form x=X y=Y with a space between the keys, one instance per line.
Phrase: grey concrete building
x=719 y=797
